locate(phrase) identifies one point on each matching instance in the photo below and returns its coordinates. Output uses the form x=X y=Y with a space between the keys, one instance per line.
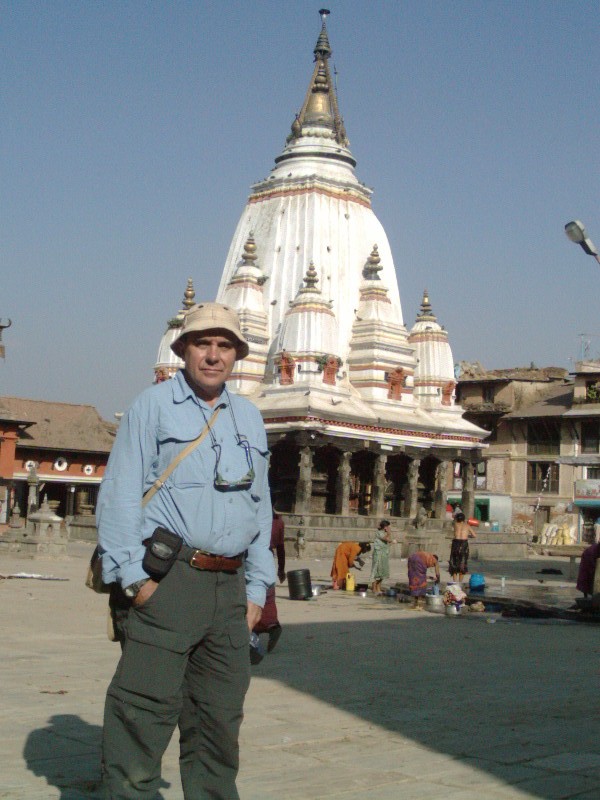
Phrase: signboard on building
x=587 y=492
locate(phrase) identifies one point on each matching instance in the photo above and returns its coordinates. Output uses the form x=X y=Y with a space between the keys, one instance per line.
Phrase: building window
x=592 y=473
x=542 y=476
x=481 y=475
x=592 y=392
x=488 y=394
x=590 y=436
x=543 y=438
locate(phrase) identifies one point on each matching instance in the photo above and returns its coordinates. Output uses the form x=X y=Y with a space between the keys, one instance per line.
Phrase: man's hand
x=281 y=575
x=145 y=593
x=253 y=614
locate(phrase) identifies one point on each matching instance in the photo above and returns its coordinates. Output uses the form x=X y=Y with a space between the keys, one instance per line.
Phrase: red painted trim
x=373 y=428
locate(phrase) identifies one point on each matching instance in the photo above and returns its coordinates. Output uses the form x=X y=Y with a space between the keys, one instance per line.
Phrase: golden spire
x=322 y=48
x=189 y=295
x=426 y=310
x=249 y=256
x=320 y=103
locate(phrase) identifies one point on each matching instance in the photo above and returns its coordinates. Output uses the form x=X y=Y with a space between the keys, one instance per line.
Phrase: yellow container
x=350 y=583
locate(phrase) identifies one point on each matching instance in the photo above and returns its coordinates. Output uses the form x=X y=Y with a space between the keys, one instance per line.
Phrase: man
x=458 y=564
x=269 y=621
x=185 y=654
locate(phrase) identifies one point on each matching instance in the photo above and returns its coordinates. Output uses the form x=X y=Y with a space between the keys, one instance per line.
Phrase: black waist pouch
x=162 y=549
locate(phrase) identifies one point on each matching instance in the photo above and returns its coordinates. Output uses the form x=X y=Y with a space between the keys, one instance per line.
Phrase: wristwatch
x=133 y=588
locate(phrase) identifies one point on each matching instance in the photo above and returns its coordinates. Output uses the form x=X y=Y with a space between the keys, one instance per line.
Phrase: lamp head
x=576 y=232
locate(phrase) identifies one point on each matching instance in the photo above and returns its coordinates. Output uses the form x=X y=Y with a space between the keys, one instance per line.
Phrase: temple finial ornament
x=322 y=48
x=321 y=84
x=426 y=310
x=189 y=295
x=310 y=279
x=372 y=266
x=296 y=127
x=249 y=256
x=320 y=103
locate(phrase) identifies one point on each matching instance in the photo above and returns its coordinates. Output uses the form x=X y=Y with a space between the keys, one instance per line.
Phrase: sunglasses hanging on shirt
x=219 y=482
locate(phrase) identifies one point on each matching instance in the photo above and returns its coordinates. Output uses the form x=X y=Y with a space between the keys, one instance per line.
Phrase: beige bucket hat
x=212 y=316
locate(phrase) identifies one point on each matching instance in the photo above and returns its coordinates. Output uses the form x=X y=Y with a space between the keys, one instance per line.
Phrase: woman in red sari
x=418 y=564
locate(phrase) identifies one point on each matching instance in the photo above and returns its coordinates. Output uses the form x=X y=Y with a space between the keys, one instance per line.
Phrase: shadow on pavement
x=499 y=697
x=67 y=754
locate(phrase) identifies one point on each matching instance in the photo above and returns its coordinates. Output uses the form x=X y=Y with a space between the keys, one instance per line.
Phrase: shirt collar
x=182 y=391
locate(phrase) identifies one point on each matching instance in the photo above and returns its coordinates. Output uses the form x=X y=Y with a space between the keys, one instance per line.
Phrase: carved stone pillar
x=304 y=485
x=441 y=484
x=342 y=486
x=379 y=484
x=468 y=493
x=413 y=488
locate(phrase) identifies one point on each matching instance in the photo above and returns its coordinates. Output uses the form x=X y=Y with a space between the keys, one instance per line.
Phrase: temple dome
x=435 y=364
x=309 y=329
x=167 y=363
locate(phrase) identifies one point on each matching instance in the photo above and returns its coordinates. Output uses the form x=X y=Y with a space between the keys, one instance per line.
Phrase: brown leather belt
x=201 y=560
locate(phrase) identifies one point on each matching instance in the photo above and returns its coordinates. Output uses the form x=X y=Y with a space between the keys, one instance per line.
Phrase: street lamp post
x=577 y=233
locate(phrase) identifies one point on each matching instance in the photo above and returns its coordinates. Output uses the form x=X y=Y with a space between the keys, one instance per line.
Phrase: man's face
x=209 y=357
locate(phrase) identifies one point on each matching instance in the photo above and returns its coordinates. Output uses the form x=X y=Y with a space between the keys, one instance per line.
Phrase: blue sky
x=132 y=132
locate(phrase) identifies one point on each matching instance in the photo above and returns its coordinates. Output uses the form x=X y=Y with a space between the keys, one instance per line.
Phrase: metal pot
x=453 y=610
x=362 y=593
x=434 y=603
x=316 y=591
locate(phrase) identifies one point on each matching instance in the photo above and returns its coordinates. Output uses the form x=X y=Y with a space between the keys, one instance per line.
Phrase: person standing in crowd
x=346 y=554
x=269 y=621
x=458 y=564
x=194 y=561
x=418 y=564
x=587 y=569
x=380 y=567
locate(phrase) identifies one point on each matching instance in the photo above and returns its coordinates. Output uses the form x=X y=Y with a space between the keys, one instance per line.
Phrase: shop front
x=586 y=500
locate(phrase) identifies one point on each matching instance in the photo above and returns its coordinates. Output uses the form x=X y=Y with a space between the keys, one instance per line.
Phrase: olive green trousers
x=185 y=662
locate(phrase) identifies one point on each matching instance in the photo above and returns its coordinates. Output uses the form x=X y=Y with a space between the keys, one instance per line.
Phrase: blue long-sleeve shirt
x=160 y=423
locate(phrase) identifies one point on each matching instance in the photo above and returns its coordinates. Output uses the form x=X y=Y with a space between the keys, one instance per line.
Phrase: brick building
x=58 y=450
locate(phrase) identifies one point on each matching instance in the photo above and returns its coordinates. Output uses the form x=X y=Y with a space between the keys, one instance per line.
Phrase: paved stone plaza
x=361 y=698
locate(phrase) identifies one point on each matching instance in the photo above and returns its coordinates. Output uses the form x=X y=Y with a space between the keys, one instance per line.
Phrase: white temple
x=360 y=412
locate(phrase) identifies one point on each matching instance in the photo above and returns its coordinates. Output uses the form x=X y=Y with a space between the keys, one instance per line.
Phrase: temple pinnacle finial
x=189 y=295
x=249 y=256
x=322 y=49
x=310 y=279
x=320 y=109
x=373 y=265
x=426 y=310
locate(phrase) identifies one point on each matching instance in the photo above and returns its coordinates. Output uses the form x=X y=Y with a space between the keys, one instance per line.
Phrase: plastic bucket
x=299 y=585
x=477 y=582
